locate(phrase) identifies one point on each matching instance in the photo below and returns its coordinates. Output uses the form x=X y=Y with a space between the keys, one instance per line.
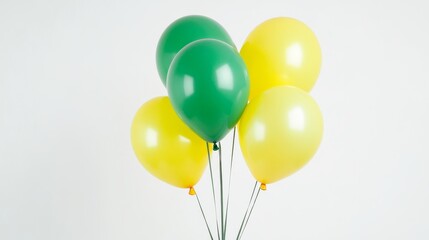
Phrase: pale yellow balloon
x=279 y=132
x=165 y=146
x=281 y=51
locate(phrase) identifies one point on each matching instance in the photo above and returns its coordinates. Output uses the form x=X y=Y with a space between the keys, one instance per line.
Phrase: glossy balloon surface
x=165 y=146
x=281 y=51
x=280 y=131
x=209 y=87
x=182 y=32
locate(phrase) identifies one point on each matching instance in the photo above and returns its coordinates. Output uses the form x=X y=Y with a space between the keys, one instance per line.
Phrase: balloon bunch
x=212 y=88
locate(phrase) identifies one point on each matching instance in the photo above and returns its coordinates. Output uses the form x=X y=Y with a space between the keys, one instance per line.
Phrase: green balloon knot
x=215 y=146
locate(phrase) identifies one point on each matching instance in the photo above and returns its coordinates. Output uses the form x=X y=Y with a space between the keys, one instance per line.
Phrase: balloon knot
x=263 y=186
x=192 y=191
x=215 y=146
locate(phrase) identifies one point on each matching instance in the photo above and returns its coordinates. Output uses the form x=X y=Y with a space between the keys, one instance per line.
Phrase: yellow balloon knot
x=263 y=186
x=192 y=191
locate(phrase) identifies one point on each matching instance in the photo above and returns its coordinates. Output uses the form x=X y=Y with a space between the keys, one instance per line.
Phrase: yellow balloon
x=281 y=51
x=279 y=132
x=165 y=146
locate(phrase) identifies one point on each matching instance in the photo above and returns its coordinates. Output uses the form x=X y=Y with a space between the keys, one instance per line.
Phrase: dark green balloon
x=182 y=32
x=208 y=86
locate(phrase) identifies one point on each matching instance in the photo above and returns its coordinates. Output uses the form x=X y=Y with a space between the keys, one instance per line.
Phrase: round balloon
x=279 y=132
x=182 y=32
x=281 y=51
x=209 y=87
x=165 y=146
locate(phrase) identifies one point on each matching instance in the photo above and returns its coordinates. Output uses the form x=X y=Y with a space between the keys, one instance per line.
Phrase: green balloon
x=182 y=32
x=208 y=87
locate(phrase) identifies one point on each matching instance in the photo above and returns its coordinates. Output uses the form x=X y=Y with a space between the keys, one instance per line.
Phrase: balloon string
x=229 y=184
x=213 y=190
x=204 y=216
x=247 y=210
x=221 y=193
x=251 y=210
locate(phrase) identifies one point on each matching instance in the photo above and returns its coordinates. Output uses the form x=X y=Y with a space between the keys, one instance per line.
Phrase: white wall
x=73 y=73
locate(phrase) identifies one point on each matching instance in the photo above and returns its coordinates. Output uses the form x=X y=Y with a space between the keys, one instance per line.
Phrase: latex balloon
x=209 y=87
x=182 y=32
x=281 y=51
x=165 y=146
x=279 y=132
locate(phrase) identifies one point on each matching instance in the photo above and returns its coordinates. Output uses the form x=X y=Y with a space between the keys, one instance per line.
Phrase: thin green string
x=247 y=210
x=229 y=184
x=213 y=190
x=221 y=192
x=204 y=216
x=251 y=210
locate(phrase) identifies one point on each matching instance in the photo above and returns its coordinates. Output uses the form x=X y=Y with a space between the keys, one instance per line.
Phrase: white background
x=73 y=73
